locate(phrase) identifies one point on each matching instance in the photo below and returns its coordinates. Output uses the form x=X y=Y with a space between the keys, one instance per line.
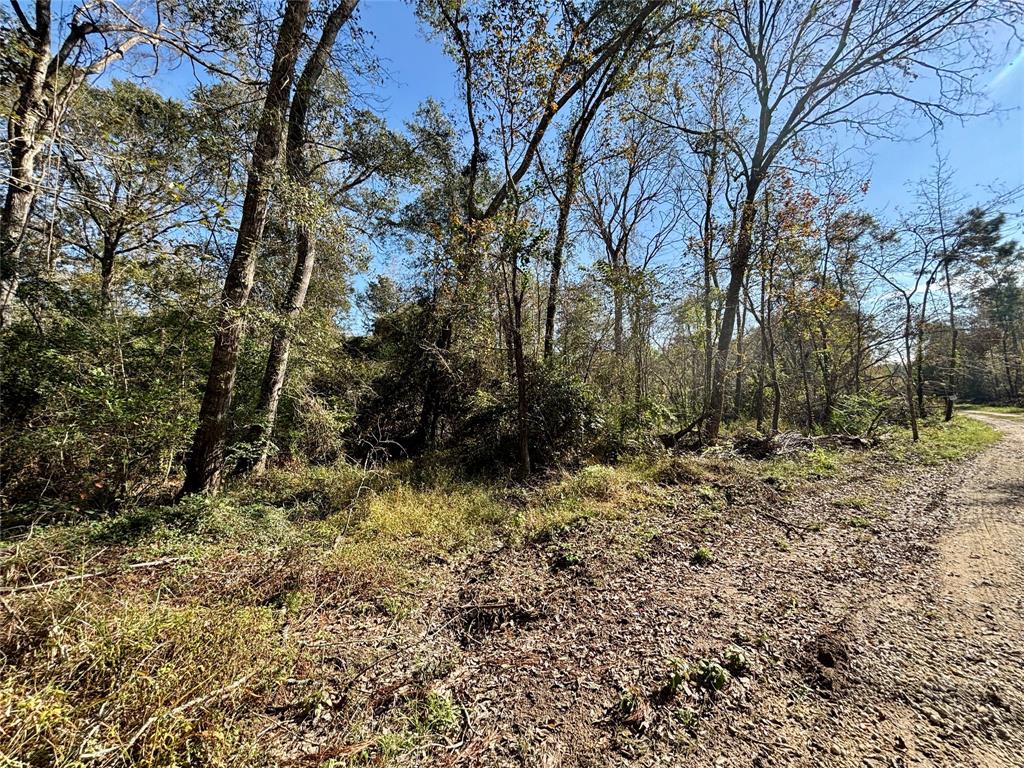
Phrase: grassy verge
x=1007 y=409
x=944 y=441
x=173 y=662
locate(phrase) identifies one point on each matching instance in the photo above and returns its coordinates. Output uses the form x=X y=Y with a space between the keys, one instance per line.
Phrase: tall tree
x=133 y=177
x=824 y=64
x=518 y=72
x=97 y=35
x=297 y=166
x=204 y=464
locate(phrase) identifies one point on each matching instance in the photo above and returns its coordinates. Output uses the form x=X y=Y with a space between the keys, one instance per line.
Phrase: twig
x=175 y=711
x=779 y=520
x=93 y=575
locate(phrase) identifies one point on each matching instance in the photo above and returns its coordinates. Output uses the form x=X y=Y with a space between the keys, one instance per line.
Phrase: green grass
x=817 y=464
x=944 y=441
x=1009 y=409
x=422 y=718
x=702 y=555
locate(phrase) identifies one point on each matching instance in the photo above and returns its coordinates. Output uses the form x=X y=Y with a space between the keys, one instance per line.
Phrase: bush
x=562 y=421
x=858 y=414
x=92 y=411
x=310 y=491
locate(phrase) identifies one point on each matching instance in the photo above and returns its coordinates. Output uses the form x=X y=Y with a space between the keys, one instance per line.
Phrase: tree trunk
x=709 y=274
x=515 y=295
x=426 y=431
x=557 y=251
x=522 y=402
x=828 y=378
x=910 y=375
x=305 y=249
x=107 y=270
x=1011 y=380
x=1015 y=339
x=858 y=361
x=618 y=316
x=34 y=118
x=277 y=358
x=762 y=353
x=737 y=401
x=920 y=350
x=24 y=140
x=951 y=377
x=737 y=273
x=205 y=462
x=808 y=395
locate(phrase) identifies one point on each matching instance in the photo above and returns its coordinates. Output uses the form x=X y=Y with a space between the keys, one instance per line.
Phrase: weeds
x=153 y=684
x=170 y=666
x=854 y=502
x=702 y=555
x=817 y=464
x=945 y=441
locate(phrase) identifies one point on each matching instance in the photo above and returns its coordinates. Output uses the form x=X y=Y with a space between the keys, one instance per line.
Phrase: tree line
x=632 y=221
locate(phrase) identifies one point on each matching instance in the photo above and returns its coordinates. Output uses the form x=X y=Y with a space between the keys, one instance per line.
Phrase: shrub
x=562 y=421
x=858 y=414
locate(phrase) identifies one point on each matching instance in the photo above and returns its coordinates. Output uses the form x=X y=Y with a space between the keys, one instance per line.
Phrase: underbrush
x=114 y=680
x=817 y=464
x=155 y=637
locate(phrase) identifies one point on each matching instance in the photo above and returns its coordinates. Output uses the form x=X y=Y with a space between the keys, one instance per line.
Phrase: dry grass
x=114 y=680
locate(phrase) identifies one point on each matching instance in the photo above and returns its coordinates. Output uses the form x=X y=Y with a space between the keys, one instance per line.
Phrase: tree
x=46 y=80
x=134 y=176
x=205 y=462
x=519 y=69
x=624 y=195
x=298 y=172
x=827 y=64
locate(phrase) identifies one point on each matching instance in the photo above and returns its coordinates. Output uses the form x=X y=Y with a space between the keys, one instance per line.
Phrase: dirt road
x=873 y=617
x=943 y=662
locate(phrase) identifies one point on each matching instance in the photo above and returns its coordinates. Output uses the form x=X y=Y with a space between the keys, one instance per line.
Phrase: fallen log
x=673 y=439
x=761 y=447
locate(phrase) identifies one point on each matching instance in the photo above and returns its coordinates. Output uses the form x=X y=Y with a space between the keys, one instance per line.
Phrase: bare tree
x=518 y=72
x=825 y=64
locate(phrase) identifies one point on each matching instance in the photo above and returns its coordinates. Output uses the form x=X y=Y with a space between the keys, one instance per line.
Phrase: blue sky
x=985 y=150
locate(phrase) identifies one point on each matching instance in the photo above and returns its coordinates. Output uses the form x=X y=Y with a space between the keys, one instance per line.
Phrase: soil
x=876 y=620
